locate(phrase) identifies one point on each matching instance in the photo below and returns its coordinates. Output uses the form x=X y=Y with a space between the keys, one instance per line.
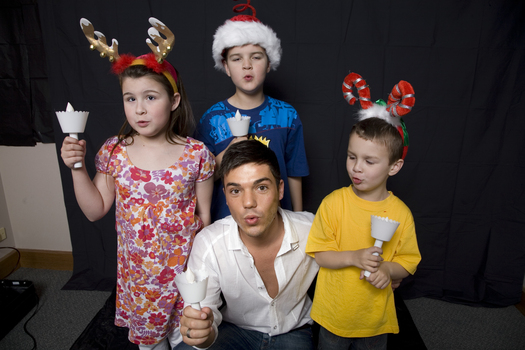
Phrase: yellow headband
x=167 y=74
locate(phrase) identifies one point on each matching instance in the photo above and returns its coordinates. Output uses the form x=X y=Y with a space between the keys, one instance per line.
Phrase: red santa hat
x=242 y=30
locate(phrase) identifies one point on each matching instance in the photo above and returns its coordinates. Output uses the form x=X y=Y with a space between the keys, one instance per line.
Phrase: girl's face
x=247 y=66
x=148 y=106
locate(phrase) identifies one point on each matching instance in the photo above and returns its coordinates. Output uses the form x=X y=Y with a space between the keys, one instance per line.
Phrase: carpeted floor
x=62 y=314
x=447 y=326
x=63 y=317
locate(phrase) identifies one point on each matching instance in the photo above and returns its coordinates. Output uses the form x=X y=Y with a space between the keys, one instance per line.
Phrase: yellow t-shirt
x=344 y=304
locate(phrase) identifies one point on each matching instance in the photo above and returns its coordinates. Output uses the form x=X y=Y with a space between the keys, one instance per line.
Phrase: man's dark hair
x=249 y=151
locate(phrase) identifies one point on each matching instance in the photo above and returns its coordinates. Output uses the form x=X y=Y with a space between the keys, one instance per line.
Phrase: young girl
x=161 y=182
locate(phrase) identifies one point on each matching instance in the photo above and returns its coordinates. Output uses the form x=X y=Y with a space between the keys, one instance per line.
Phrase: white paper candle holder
x=382 y=230
x=73 y=123
x=192 y=292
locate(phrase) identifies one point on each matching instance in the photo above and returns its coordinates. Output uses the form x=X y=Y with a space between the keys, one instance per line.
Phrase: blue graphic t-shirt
x=275 y=123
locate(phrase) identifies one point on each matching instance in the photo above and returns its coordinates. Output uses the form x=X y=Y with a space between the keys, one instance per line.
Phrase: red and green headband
x=400 y=102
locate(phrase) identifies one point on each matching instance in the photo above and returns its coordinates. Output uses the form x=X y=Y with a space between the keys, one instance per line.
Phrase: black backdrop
x=463 y=177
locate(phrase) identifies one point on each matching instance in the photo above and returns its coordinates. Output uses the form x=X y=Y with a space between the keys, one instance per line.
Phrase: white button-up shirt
x=219 y=249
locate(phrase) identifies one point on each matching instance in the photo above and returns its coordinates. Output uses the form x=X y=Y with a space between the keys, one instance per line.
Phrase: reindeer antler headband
x=154 y=61
x=400 y=102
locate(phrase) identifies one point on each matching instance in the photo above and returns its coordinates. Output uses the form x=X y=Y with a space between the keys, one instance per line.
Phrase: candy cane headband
x=154 y=61
x=400 y=102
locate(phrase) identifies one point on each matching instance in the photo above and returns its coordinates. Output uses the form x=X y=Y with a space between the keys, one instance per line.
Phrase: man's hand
x=196 y=327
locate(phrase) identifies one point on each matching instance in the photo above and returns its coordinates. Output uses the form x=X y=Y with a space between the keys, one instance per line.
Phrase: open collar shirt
x=219 y=249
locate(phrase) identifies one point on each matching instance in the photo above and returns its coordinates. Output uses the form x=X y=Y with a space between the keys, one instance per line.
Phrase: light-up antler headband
x=154 y=61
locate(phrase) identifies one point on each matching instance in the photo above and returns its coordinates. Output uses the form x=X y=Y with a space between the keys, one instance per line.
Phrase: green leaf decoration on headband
x=405 y=132
x=403 y=126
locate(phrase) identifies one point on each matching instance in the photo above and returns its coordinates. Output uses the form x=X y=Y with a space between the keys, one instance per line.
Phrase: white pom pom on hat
x=242 y=30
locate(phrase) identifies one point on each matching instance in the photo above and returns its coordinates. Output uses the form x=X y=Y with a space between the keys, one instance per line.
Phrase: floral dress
x=156 y=225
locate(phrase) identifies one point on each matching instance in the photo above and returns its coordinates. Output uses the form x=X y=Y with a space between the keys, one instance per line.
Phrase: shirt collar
x=290 y=239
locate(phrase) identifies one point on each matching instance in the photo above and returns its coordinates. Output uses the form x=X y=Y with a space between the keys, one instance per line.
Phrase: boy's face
x=247 y=66
x=253 y=196
x=368 y=166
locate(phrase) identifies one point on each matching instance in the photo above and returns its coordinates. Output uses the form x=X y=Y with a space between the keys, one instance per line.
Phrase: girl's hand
x=73 y=151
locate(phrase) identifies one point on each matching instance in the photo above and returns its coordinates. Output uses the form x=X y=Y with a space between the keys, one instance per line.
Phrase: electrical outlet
x=2 y=234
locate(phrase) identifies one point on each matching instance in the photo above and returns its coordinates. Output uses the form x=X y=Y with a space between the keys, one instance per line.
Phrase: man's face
x=253 y=196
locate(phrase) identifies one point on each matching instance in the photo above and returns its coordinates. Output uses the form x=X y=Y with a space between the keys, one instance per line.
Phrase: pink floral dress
x=156 y=225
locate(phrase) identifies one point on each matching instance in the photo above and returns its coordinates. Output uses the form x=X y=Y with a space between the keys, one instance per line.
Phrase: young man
x=246 y=50
x=256 y=259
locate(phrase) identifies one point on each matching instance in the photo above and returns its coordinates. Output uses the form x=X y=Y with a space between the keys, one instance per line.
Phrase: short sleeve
x=295 y=157
x=106 y=156
x=206 y=162
x=322 y=235
x=407 y=251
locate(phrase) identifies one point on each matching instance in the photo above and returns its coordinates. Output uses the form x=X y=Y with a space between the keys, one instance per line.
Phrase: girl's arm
x=96 y=197
x=296 y=192
x=362 y=258
x=204 y=192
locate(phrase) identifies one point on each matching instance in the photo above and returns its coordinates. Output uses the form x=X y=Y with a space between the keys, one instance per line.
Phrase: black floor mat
x=102 y=334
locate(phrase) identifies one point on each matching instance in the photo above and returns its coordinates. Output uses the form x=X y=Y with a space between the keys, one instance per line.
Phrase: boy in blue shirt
x=246 y=50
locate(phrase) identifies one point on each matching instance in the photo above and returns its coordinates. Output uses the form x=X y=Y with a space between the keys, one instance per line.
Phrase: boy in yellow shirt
x=354 y=310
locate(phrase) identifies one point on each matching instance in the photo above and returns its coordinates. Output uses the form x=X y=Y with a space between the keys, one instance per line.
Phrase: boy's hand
x=380 y=279
x=366 y=260
x=73 y=151
x=396 y=283
x=237 y=139
x=198 y=325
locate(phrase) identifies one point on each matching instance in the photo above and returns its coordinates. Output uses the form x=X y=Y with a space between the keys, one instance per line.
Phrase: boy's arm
x=387 y=272
x=362 y=258
x=296 y=192
x=404 y=262
x=218 y=157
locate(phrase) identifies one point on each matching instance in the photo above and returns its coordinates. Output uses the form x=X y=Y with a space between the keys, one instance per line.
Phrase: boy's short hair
x=378 y=130
x=249 y=151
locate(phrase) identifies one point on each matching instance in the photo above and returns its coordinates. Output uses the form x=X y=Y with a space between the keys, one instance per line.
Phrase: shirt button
x=274 y=327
